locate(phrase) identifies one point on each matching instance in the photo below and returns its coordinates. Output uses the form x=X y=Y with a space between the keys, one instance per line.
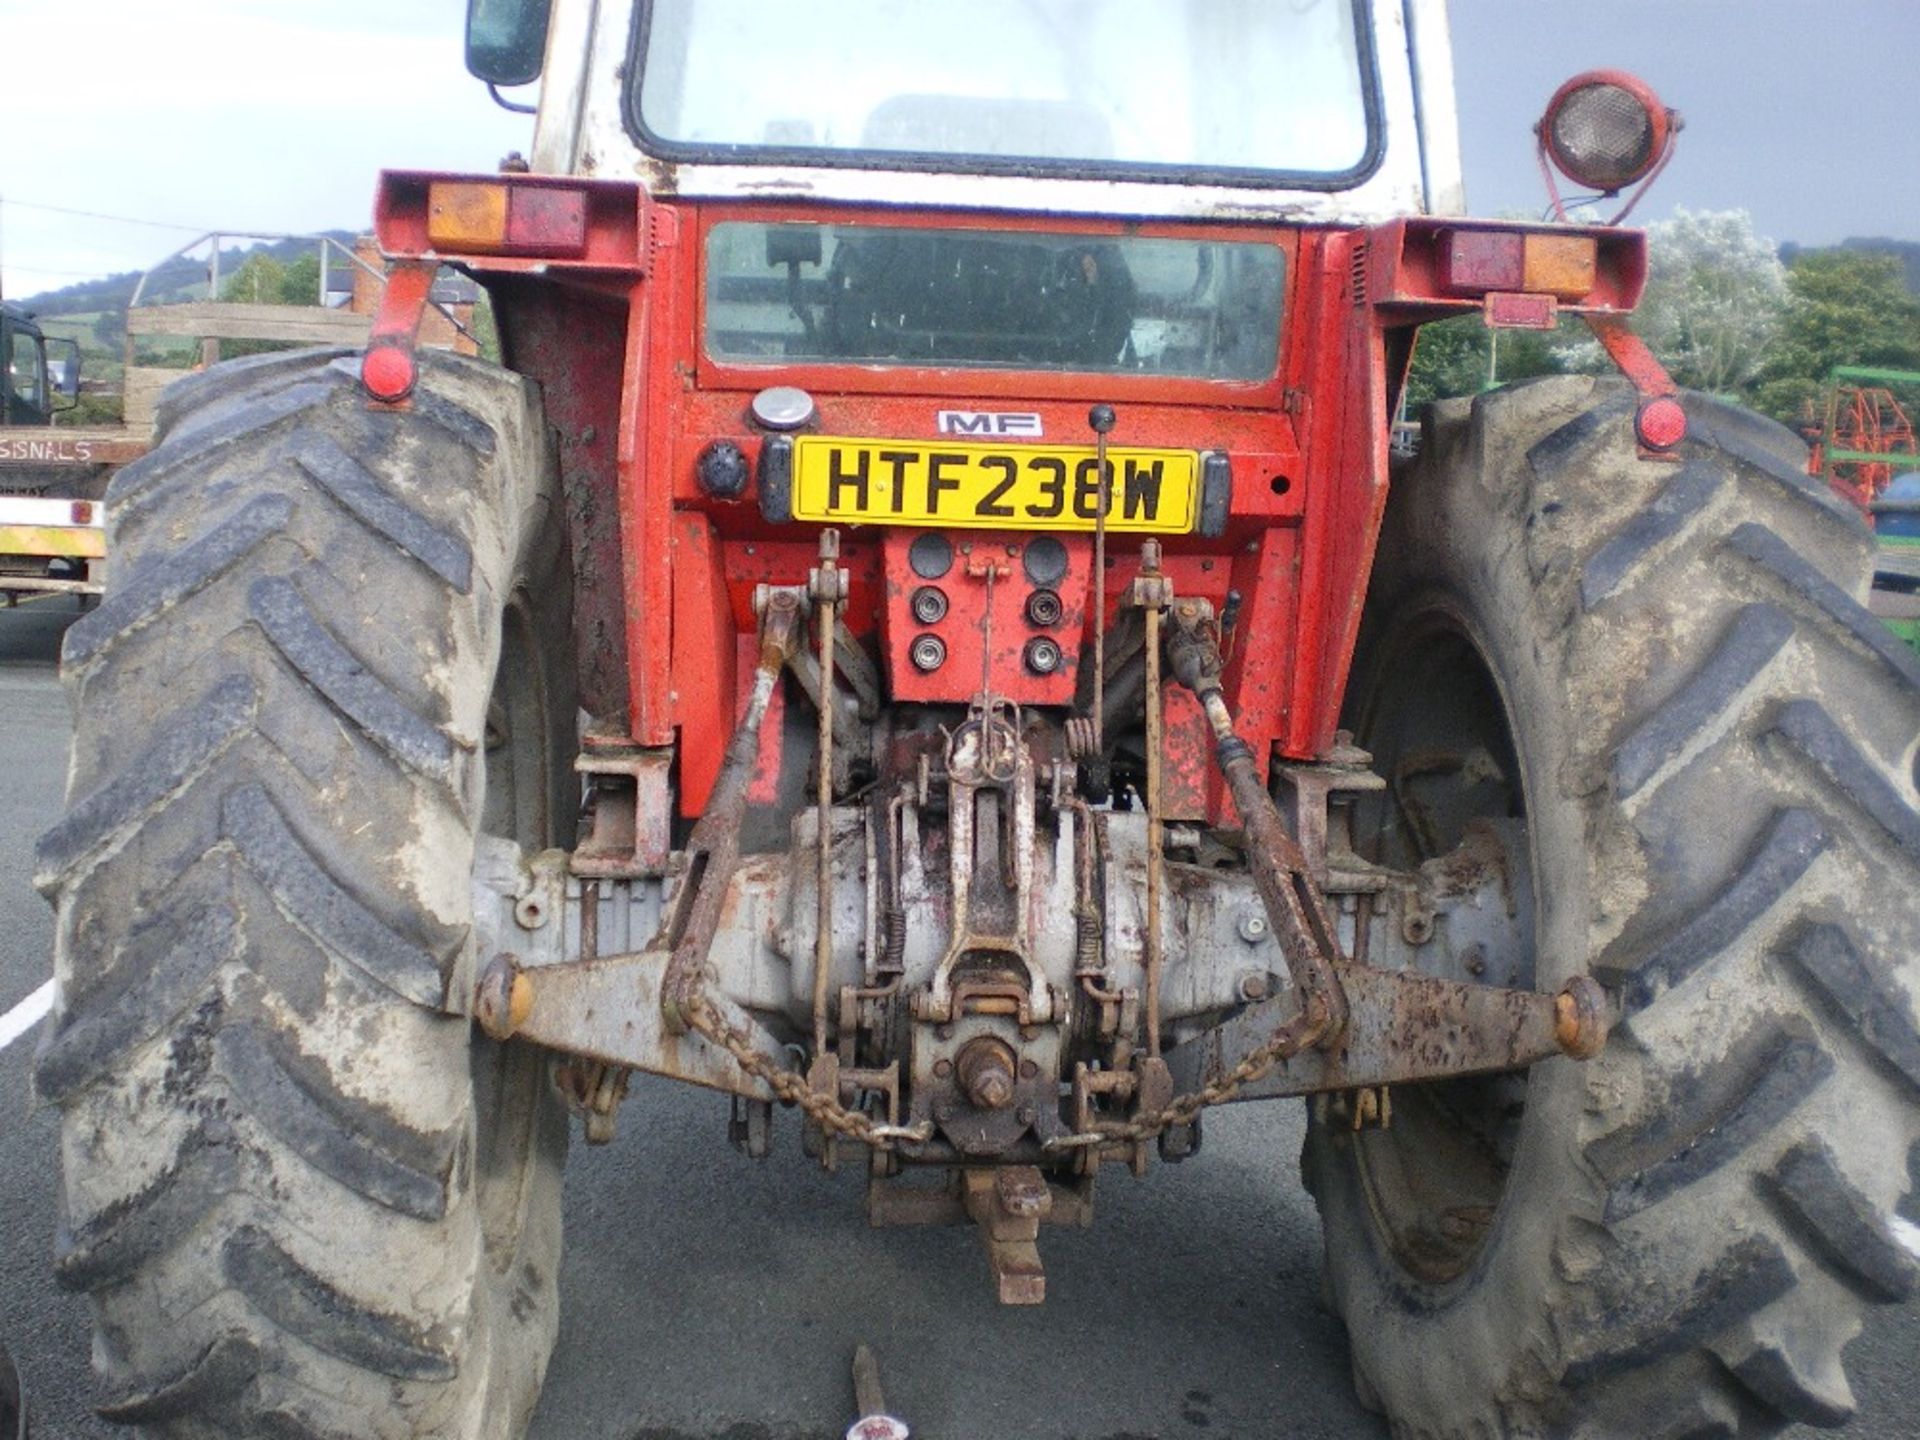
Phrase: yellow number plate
x=992 y=487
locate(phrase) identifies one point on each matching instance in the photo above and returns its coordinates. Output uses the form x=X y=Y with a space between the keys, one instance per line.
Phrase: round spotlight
x=1606 y=129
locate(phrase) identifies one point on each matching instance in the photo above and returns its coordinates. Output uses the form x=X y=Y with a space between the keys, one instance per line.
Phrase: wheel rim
x=1439 y=727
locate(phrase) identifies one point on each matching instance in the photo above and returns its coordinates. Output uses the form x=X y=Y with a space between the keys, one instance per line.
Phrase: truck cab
x=30 y=394
x=48 y=540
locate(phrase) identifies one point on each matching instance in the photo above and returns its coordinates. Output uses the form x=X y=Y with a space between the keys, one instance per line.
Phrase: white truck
x=52 y=481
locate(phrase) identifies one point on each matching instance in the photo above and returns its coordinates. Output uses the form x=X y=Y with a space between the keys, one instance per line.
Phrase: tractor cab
x=897 y=256
x=1140 y=108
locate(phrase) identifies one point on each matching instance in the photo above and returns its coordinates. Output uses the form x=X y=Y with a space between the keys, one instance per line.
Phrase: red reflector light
x=83 y=512
x=1661 y=423
x=1473 y=261
x=1507 y=311
x=387 y=372
x=549 y=220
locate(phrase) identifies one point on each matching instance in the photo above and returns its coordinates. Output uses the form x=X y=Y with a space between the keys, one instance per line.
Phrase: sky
x=264 y=115
x=1801 y=112
x=272 y=115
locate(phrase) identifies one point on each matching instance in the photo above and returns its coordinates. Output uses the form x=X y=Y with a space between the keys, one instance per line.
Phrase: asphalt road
x=709 y=1297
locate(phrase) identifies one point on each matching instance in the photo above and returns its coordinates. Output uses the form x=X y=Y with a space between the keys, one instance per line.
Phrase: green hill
x=179 y=279
x=93 y=312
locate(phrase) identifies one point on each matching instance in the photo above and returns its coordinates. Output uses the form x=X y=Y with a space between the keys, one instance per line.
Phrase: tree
x=259 y=281
x=485 y=330
x=1462 y=356
x=1714 y=299
x=300 y=283
x=1844 y=307
x=263 y=280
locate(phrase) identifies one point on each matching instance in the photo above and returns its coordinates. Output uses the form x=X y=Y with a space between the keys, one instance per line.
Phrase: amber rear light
x=501 y=218
x=1479 y=262
x=467 y=217
x=1563 y=266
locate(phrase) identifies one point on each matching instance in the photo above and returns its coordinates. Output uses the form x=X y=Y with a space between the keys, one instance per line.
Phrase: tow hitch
x=910 y=953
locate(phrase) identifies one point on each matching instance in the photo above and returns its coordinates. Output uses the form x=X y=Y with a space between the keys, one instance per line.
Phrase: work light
x=1606 y=129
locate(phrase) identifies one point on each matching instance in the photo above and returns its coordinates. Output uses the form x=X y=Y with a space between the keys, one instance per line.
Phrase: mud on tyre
x=304 y=1197
x=1663 y=673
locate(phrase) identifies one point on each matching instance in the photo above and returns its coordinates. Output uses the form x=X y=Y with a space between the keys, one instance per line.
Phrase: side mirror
x=507 y=40
x=793 y=244
x=65 y=372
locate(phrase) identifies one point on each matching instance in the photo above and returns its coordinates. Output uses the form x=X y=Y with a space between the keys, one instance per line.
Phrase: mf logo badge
x=989 y=422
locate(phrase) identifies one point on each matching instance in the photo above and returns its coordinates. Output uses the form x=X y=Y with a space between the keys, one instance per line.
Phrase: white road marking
x=1908 y=1234
x=29 y=1013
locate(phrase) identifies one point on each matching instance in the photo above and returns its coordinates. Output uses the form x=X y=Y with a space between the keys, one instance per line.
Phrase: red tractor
x=923 y=631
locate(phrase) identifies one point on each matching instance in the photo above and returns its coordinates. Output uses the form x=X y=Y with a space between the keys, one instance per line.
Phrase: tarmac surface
x=710 y=1297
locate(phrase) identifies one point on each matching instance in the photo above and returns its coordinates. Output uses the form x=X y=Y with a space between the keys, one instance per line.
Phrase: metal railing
x=326 y=244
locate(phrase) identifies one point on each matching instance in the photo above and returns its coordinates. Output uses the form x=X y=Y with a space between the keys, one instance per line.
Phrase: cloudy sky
x=263 y=115
x=1800 y=111
x=274 y=115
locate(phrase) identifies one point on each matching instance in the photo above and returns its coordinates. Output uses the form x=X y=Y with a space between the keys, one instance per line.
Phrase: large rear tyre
x=1659 y=676
x=305 y=1197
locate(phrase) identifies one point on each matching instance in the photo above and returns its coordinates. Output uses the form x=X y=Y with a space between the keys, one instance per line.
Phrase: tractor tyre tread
x=264 y=932
x=1731 y=740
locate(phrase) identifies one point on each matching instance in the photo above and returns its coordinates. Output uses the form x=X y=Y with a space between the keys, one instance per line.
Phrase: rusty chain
x=826 y=1111
x=1290 y=1039
x=1309 y=1027
x=790 y=1086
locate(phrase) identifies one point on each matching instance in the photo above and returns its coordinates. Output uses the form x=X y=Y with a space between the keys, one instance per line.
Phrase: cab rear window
x=974 y=298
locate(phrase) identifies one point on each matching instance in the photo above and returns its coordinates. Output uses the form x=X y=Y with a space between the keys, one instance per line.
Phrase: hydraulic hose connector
x=1193 y=653
x=1193 y=647
x=780 y=608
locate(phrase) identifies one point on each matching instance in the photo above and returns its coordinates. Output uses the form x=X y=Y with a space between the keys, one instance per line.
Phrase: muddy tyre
x=305 y=1196
x=1661 y=674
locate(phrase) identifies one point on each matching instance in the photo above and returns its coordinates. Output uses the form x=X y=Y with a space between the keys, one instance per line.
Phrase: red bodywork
x=664 y=574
